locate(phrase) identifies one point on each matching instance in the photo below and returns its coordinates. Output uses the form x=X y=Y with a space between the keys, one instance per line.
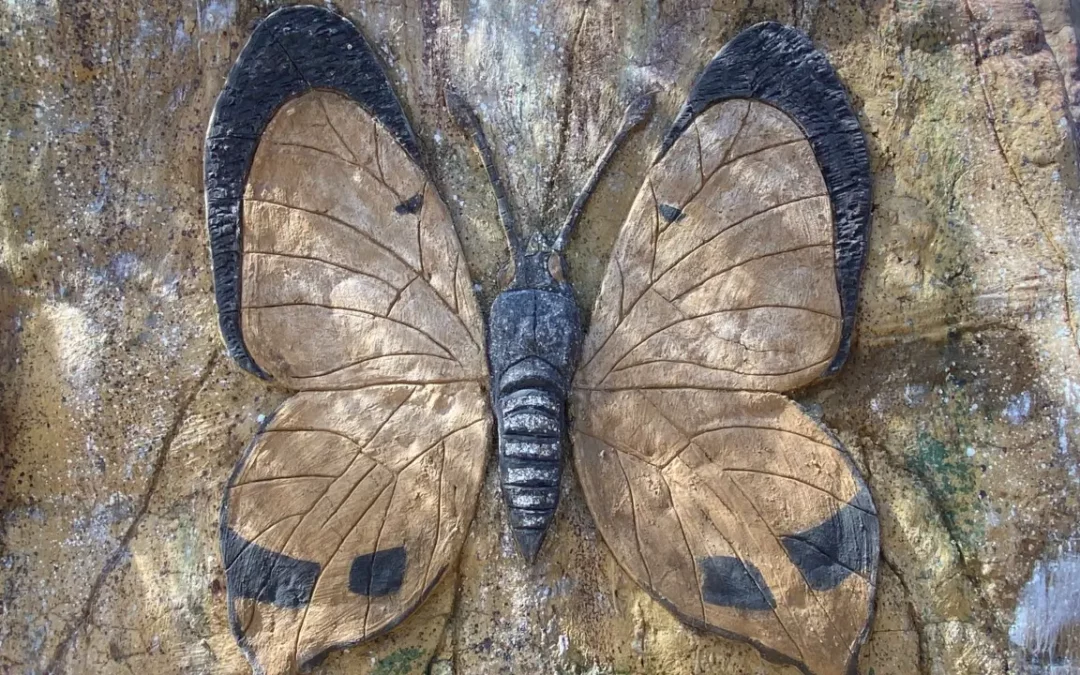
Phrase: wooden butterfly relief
x=734 y=280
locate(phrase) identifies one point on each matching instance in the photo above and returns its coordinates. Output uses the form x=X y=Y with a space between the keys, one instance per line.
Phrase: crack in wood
x=1059 y=254
x=116 y=558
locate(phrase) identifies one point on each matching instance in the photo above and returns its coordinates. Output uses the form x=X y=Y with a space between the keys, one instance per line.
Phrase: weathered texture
x=122 y=419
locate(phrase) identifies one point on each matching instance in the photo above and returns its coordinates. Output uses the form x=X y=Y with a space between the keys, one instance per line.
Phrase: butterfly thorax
x=534 y=337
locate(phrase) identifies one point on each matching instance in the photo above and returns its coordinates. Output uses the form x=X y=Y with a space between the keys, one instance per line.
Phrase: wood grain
x=715 y=492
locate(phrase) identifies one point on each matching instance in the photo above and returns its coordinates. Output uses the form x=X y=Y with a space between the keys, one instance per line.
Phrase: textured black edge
x=263 y=575
x=866 y=501
x=778 y=64
x=292 y=51
x=223 y=537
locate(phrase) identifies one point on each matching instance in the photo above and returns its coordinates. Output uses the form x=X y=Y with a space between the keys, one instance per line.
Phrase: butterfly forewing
x=350 y=287
x=725 y=276
x=714 y=491
x=336 y=235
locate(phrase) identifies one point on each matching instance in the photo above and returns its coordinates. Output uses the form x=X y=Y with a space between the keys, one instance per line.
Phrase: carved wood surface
x=345 y=512
x=122 y=420
x=353 y=289
x=723 y=274
x=738 y=513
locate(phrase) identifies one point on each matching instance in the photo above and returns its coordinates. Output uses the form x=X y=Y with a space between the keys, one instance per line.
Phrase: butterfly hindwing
x=737 y=512
x=338 y=274
x=344 y=513
x=733 y=281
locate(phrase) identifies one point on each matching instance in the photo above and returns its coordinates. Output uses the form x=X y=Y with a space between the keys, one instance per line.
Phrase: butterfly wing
x=733 y=280
x=345 y=511
x=338 y=274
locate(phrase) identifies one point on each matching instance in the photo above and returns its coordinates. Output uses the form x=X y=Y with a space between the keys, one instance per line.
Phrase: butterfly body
x=534 y=339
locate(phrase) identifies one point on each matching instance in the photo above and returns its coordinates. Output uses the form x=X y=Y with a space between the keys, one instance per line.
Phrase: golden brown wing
x=733 y=280
x=339 y=274
x=352 y=272
x=735 y=511
x=344 y=513
x=723 y=275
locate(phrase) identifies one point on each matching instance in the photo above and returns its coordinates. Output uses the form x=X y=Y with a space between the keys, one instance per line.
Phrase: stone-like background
x=120 y=416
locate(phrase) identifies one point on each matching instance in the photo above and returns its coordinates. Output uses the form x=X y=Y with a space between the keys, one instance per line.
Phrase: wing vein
x=763 y=256
x=772 y=306
x=375 y=144
x=701 y=157
x=686 y=542
x=730 y=227
x=313 y=476
x=726 y=370
x=738 y=555
x=731 y=161
x=762 y=427
x=801 y=574
x=255 y=539
x=419 y=242
x=339 y=158
x=656 y=232
x=330 y=123
x=807 y=484
x=633 y=516
x=375 y=551
x=297 y=256
x=441 y=440
x=438 y=515
x=448 y=357
x=365 y=360
x=339 y=221
x=735 y=138
x=315 y=589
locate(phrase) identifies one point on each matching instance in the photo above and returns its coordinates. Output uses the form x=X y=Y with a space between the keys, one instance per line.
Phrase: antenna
x=636 y=113
x=465 y=118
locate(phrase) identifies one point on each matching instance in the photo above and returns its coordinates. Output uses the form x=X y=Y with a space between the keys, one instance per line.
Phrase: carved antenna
x=636 y=113
x=465 y=118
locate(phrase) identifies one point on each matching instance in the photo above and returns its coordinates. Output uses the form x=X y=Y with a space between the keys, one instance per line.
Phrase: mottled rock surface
x=121 y=418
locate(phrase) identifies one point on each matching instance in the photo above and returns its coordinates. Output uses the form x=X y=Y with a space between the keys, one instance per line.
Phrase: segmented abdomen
x=532 y=417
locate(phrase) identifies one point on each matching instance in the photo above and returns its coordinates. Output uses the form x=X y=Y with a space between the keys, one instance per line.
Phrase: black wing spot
x=266 y=576
x=410 y=206
x=845 y=544
x=730 y=582
x=379 y=573
x=671 y=213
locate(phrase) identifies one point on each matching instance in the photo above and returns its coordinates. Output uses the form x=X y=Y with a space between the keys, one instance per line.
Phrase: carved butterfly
x=338 y=273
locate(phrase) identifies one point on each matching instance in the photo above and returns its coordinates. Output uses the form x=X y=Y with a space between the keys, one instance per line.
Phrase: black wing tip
x=292 y=50
x=778 y=64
